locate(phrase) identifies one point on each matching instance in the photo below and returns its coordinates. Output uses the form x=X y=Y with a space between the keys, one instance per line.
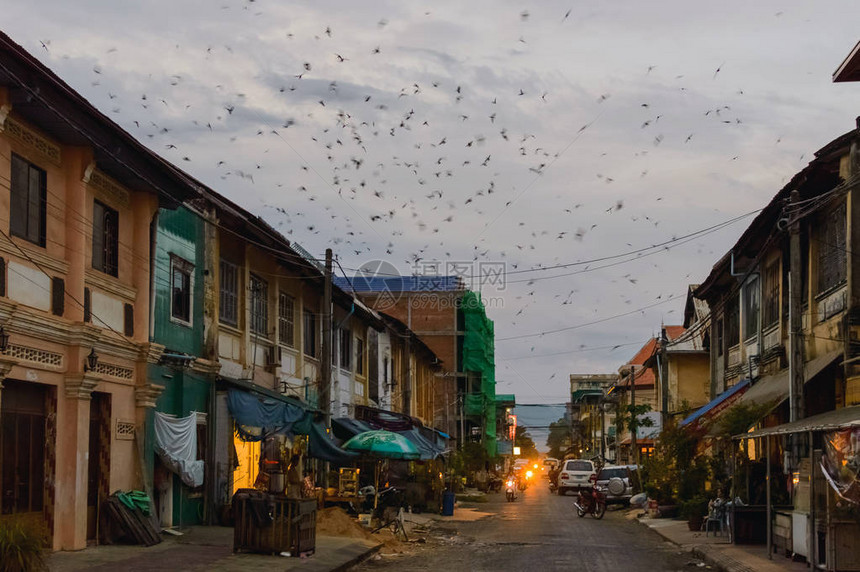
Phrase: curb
x=358 y=559
x=723 y=564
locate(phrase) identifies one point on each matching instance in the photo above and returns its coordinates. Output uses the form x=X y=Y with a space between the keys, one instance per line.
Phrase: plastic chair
x=715 y=516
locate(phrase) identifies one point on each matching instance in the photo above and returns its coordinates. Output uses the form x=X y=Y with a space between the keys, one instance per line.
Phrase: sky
x=511 y=142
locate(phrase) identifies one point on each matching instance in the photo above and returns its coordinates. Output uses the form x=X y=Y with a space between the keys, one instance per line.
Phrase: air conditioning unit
x=273 y=357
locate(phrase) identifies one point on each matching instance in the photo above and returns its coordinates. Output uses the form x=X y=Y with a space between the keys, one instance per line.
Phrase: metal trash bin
x=448 y=503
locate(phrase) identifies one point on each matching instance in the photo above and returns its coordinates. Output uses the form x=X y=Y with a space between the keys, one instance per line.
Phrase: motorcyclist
x=587 y=493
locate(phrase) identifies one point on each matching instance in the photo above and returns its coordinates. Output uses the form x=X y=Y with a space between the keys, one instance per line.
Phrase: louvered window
x=28 y=195
x=831 y=250
x=228 y=309
x=105 y=239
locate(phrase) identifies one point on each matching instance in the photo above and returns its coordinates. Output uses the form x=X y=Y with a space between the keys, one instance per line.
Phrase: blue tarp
x=344 y=428
x=715 y=402
x=257 y=416
x=321 y=446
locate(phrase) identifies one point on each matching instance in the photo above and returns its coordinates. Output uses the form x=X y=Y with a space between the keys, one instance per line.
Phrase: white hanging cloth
x=176 y=444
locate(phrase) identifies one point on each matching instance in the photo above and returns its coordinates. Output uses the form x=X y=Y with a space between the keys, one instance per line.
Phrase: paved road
x=539 y=532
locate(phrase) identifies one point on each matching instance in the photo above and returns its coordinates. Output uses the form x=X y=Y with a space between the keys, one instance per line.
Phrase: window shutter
x=18 y=197
x=87 y=306
x=128 y=320
x=2 y=277
x=58 y=296
x=98 y=236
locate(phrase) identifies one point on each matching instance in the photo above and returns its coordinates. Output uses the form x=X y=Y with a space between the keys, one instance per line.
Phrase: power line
x=601 y=320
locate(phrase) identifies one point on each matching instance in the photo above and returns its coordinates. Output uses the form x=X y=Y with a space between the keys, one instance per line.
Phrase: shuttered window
x=770 y=310
x=309 y=334
x=105 y=239
x=752 y=302
x=58 y=296
x=228 y=308
x=286 y=320
x=831 y=250
x=259 y=306
x=181 y=283
x=28 y=195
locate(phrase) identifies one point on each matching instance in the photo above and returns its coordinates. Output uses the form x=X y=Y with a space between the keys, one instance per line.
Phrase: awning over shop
x=832 y=420
x=639 y=442
x=773 y=389
x=581 y=394
x=716 y=405
x=258 y=416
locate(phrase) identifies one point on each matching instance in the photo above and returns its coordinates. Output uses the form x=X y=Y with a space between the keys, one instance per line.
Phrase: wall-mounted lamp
x=92 y=361
x=4 y=340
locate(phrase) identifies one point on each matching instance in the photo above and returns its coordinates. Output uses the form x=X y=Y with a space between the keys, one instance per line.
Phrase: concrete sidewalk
x=211 y=548
x=718 y=552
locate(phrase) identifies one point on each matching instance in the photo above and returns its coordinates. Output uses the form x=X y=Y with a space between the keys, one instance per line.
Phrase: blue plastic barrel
x=448 y=503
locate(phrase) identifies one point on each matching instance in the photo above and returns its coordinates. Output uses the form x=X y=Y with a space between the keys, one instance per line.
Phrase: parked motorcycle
x=511 y=490
x=592 y=500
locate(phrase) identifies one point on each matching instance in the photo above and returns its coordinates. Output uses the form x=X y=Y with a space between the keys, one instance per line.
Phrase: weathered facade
x=461 y=337
x=75 y=243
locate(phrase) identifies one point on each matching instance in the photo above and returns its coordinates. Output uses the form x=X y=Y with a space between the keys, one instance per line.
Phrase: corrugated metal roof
x=361 y=283
x=836 y=419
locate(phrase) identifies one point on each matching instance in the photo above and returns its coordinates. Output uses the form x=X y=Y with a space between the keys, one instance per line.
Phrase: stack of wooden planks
x=119 y=523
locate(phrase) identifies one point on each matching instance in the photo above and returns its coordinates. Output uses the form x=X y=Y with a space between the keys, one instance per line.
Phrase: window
x=359 y=356
x=286 y=322
x=831 y=250
x=770 y=310
x=733 y=322
x=345 y=348
x=309 y=334
x=27 y=201
x=105 y=238
x=180 y=289
x=259 y=306
x=228 y=308
x=752 y=302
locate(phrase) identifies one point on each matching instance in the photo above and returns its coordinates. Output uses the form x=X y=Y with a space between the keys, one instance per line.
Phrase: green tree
x=526 y=444
x=558 y=439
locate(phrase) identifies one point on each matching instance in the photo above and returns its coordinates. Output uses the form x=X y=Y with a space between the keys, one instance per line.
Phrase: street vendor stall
x=824 y=522
x=380 y=445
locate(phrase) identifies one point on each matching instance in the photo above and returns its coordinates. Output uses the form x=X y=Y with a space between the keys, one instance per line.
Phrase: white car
x=575 y=474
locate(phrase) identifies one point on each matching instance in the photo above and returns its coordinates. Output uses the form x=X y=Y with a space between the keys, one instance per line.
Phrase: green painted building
x=178 y=325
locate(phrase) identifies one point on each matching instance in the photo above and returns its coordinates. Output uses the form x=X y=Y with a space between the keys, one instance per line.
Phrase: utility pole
x=663 y=371
x=462 y=420
x=795 y=349
x=407 y=374
x=325 y=349
x=633 y=420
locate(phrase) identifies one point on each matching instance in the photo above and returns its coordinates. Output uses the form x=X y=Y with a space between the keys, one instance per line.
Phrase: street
x=539 y=531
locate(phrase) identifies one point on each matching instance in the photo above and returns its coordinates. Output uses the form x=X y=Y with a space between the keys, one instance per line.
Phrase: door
x=98 y=468
x=22 y=449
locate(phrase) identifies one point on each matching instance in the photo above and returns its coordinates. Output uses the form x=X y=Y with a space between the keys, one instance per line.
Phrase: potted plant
x=695 y=510
x=23 y=543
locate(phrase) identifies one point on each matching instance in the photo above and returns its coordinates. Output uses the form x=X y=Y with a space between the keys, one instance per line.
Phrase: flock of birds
x=437 y=169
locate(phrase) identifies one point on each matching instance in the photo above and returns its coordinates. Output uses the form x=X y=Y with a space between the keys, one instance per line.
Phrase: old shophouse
x=76 y=210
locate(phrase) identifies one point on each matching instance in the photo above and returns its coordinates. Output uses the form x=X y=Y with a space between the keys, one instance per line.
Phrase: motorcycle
x=524 y=481
x=592 y=500
x=511 y=490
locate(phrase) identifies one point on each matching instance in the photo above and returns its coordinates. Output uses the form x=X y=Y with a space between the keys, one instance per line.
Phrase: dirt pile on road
x=334 y=521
